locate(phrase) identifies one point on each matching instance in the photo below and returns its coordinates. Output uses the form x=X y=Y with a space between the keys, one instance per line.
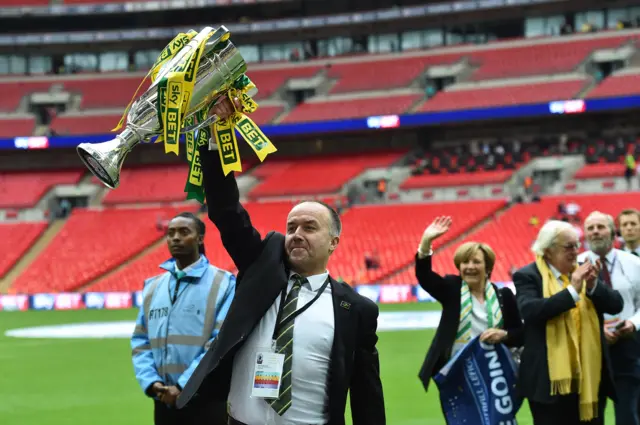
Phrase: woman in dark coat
x=471 y=304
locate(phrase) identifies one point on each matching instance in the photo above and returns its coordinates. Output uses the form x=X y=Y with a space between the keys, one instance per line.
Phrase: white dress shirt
x=479 y=322
x=570 y=288
x=630 y=251
x=624 y=269
x=313 y=334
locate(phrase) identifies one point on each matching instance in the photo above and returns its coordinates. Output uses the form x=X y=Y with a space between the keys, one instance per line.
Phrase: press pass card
x=267 y=374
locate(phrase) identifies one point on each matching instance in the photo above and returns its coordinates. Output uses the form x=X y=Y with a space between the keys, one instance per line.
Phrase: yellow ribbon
x=174 y=102
x=224 y=133
x=166 y=55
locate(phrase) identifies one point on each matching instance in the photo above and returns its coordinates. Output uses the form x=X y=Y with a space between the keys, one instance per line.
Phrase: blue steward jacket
x=175 y=328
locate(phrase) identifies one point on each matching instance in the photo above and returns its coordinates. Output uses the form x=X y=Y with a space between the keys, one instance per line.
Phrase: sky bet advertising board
x=383 y=294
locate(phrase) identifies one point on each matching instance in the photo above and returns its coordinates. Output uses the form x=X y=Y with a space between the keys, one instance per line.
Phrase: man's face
x=182 y=237
x=598 y=234
x=308 y=241
x=630 y=228
x=564 y=252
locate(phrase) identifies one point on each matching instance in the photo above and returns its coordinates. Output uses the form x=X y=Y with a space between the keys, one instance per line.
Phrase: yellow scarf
x=573 y=347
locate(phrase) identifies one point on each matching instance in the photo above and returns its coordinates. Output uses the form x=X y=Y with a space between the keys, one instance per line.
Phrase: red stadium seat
x=24 y=189
x=90 y=244
x=15 y=241
x=318 y=175
x=503 y=95
x=511 y=236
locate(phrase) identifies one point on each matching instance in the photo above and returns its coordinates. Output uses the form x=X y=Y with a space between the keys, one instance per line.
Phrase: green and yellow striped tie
x=284 y=344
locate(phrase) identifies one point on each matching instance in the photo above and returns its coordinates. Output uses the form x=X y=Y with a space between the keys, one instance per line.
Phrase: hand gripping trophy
x=192 y=73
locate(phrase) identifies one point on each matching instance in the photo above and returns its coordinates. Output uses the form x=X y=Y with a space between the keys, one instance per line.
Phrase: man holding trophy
x=199 y=89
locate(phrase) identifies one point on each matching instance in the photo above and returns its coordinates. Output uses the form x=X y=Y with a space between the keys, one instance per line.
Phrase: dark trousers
x=195 y=413
x=564 y=411
x=628 y=394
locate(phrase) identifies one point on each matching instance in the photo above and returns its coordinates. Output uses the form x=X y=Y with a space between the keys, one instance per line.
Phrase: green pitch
x=90 y=381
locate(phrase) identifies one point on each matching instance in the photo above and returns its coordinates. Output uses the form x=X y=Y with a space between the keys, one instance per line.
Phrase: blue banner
x=477 y=386
x=373 y=123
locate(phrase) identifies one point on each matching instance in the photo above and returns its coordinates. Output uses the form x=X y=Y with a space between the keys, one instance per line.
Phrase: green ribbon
x=194 y=187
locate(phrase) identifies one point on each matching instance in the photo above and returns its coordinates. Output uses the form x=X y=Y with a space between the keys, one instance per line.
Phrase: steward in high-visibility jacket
x=180 y=317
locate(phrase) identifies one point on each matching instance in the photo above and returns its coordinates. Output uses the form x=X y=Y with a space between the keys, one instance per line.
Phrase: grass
x=81 y=381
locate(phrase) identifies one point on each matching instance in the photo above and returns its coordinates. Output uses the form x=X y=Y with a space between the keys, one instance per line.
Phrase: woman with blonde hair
x=471 y=304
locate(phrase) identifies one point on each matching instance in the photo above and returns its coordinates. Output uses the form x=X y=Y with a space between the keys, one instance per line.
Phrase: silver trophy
x=220 y=66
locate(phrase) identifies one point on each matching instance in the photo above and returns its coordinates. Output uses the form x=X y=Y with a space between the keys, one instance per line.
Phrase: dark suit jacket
x=534 y=382
x=446 y=290
x=262 y=274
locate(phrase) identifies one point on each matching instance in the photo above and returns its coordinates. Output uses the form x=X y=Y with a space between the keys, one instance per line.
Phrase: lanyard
x=175 y=292
x=299 y=311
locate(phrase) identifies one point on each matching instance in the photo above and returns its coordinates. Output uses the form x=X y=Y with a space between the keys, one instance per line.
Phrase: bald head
x=313 y=233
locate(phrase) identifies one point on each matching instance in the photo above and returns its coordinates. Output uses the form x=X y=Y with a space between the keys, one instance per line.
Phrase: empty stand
x=90 y=244
x=265 y=217
x=8 y=3
x=85 y=124
x=622 y=85
x=504 y=95
x=24 y=189
x=597 y=171
x=150 y=184
x=338 y=109
x=311 y=176
x=458 y=179
x=383 y=74
x=15 y=241
x=14 y=91
x=13 y=127
x=106 y=92
x=268 y=81
x=511 y=234
x=266 y=114
x=394 y=232
x=539 y=59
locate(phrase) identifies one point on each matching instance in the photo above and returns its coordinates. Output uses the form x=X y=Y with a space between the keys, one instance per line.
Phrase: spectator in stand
x=629 y=168
x=196 y=296
x=372 y=260
x=471 y=304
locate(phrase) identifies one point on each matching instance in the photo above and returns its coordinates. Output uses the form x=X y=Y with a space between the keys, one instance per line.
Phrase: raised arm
x=241 y=240
x=429 y=280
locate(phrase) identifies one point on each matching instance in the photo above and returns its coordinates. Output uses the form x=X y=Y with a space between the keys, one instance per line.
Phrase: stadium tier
x=456 y=179
x=392 y=231
x=265 y=217
x=360 y=86
x=596 y=171
x=313 y=176
x=24 y=189
x=511 y=233
x=15 y=241
x=83 y=251
x=618 y=85
x=468 y=98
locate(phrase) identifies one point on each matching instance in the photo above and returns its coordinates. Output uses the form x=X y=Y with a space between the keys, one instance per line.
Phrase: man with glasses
x=565 y=370
x=620 y=271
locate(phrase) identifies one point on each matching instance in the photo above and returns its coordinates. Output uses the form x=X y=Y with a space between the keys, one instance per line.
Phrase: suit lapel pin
x=345 y=305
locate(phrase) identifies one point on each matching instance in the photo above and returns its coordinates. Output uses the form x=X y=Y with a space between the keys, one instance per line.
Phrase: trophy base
x=95 y=167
